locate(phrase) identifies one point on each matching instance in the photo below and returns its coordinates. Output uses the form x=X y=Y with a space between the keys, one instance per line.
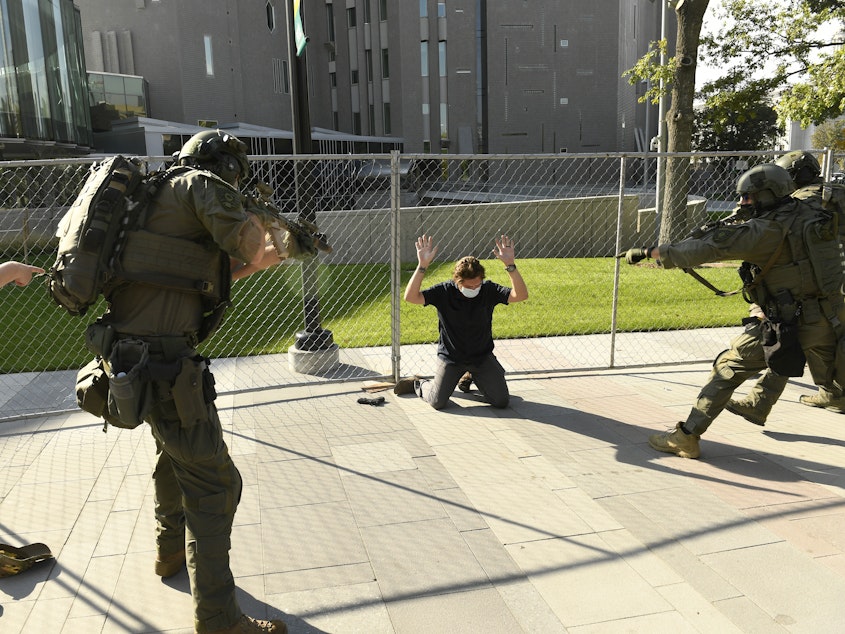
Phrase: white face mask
x=470 y=292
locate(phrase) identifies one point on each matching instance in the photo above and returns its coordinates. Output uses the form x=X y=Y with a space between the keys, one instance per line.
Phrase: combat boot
x=248 y=625
x=168 y=565
x=677 y=442
x=825 y=400
x=465 y=384
x=747 y=410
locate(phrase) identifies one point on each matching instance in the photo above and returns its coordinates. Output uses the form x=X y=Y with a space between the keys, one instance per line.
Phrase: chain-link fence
x=340 y=315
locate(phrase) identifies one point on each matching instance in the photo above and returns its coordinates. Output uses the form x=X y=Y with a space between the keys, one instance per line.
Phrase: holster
x=782 y=349
x=193 y=391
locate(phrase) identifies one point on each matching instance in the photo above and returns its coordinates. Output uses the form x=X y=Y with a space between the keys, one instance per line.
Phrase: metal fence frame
x=388 y=197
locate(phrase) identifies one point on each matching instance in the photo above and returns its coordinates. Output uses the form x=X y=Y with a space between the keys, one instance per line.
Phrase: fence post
x=828 y=163
x=615 y=303
x=395 y=263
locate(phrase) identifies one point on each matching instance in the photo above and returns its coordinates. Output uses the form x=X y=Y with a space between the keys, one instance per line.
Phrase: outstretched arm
x=504 y=251
x=426 y=250
x=17 y=272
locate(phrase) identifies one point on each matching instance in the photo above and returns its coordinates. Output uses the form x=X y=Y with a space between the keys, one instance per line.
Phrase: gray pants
x=488 y=375
x=732 y=368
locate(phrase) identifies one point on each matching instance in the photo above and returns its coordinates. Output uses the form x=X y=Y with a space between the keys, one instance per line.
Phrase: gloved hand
x=301 y=239
x=637 y=254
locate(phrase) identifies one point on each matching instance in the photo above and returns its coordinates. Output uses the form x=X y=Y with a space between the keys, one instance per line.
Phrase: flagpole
x=314 y=338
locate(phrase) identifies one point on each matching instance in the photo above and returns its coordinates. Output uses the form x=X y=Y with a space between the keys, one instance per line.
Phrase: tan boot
x=168 y=565
x=406 y=385
x=825 y=400
x=677 y=442
x=745 y=408
x=465 y=384
x=248 y=625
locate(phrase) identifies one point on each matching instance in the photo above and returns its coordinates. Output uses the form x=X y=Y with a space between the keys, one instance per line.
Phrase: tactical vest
x=815 y=270
x=103 y=246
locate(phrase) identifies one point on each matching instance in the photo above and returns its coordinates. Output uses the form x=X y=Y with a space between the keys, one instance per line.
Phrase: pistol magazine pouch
x=193 y=390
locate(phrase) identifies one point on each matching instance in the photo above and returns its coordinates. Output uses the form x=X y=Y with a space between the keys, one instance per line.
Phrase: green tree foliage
x=830 y=134
x=735 y=120
x=793 y=48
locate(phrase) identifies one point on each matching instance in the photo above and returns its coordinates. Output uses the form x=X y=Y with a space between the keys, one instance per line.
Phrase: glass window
x=366 y=11
x=441 y=9
x=113 y=83
x=96 y=90
x=271 y=17
x=424 y=59
x=385 y=63
x=351 y=18
x=333 y=80
x=386 y=118
x=441 y=46
x=444 y=121
x=368 y=55
x=209 y=56
x=423 y=8
x=353 y=74
x=356 y=123
x=372 y=117
x=330 y=22
x=31 y=72
x=382 y=10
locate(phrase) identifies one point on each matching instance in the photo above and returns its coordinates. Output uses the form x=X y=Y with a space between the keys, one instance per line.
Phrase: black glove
x=637 y=254
x=371 y=401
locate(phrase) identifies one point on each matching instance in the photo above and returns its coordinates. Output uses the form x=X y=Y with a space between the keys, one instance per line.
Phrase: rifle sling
x=757 y=279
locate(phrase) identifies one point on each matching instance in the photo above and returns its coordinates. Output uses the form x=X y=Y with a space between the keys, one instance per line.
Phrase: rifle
x=292 y=238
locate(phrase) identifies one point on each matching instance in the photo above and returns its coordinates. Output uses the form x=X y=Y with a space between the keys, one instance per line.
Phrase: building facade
x=43 y=101
x=458 y=76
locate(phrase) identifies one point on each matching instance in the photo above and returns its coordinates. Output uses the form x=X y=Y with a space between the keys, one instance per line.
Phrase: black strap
x=757 y=278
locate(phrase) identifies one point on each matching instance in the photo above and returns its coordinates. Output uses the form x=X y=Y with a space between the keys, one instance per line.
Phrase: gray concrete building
x=460 y=76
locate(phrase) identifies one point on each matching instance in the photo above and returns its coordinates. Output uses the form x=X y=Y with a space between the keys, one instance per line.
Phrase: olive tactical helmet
x=768 y=183
x=217 y=151
x=802 y=167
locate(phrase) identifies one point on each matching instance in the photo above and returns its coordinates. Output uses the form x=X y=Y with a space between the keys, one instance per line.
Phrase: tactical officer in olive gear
x=805 y=171
x=197 y=486
x=762 y=241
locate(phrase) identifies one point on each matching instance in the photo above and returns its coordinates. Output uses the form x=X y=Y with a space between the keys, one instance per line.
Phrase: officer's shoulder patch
x=723 y=234
x=227 y=197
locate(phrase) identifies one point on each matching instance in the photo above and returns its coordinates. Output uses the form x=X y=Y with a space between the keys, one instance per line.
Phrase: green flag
x=299 y=33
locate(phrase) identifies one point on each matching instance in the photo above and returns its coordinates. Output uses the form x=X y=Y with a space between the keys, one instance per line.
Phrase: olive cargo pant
x=197 y=489
x=732 y=368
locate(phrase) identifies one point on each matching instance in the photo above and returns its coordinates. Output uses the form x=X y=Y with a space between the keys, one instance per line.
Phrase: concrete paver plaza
x=553 y=515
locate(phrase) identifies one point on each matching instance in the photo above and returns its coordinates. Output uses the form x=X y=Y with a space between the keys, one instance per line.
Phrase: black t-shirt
x=465 y=325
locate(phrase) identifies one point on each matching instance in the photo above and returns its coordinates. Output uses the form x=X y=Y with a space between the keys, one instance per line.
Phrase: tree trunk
x=679 y=120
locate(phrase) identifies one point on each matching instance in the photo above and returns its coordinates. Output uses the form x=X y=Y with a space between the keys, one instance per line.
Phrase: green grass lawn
x=567 y=296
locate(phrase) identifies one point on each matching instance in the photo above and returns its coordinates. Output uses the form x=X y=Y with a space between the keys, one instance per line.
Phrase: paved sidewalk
x=551 y=516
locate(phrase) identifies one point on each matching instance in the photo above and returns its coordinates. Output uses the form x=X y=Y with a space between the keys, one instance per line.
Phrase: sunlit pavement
x=553 y=515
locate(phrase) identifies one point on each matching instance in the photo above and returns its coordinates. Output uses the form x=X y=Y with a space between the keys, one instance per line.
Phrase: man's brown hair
x=467 y=268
